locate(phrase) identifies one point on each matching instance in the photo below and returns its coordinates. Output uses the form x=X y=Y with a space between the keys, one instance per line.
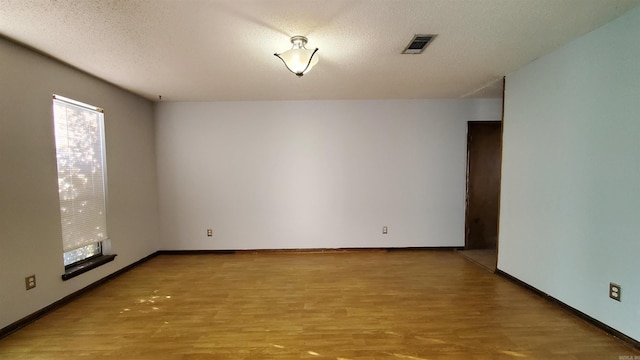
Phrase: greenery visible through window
x=79 y=137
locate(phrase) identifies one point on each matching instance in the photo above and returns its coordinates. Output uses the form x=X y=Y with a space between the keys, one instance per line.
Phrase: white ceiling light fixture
x=299 y=60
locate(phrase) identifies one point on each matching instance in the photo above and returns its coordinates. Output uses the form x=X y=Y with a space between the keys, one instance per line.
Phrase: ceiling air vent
x=418 y=44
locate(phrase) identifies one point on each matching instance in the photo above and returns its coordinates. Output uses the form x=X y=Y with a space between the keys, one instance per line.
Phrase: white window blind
x=79 y=137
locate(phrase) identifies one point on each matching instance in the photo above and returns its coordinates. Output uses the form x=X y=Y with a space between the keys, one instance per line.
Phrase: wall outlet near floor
x=615 y=292
x=30 y=282
x=384 y=230
x=209 y=232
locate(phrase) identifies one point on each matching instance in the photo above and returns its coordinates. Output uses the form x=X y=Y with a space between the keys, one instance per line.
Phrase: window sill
x=83 y=267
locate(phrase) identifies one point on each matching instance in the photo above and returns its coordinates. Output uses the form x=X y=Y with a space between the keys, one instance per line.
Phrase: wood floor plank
x=411 y=305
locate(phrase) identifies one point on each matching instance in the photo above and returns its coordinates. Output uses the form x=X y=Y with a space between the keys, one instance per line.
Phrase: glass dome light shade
x=299 y=60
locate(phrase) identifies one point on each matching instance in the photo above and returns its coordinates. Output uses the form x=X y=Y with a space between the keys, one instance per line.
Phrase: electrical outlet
x=209 y=232
x=615 y=292
x=384 y=229
x=30 y=282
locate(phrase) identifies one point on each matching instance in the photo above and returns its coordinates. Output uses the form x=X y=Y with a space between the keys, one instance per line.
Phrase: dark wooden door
x=484 y=156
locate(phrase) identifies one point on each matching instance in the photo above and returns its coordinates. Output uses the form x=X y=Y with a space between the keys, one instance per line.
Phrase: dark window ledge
x=84 y=266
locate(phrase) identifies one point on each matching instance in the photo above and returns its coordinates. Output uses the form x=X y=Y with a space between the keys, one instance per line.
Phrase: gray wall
x=314 y=174
x=30 y=231
x=570 y=221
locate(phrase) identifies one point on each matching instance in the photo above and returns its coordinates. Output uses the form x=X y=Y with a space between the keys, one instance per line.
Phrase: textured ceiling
x=210 y=50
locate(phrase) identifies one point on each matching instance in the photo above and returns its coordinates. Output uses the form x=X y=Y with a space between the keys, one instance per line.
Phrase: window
x=79 y=138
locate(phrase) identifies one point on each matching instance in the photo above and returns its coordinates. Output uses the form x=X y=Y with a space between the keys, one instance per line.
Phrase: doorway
x=484 y=142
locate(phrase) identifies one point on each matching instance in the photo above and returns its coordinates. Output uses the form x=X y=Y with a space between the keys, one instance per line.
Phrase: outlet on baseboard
x=615 y=291
x=30 y=282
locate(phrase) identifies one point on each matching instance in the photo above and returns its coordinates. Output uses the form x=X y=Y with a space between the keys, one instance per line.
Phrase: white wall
x=570 y=221
x=30 y=231
x=314 y=174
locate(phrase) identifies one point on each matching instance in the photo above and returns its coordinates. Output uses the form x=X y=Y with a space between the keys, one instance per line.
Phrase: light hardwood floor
x=486 y=258
x=346 y=305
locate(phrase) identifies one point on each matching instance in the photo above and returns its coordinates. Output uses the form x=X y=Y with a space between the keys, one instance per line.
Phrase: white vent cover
x=418 y=44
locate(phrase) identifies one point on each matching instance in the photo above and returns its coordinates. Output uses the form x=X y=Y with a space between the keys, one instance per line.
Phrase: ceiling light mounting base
x=299 y=41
